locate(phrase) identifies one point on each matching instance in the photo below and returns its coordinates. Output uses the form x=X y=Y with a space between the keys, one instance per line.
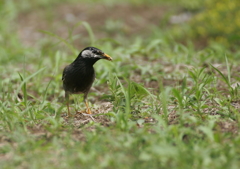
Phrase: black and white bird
x=79 y=76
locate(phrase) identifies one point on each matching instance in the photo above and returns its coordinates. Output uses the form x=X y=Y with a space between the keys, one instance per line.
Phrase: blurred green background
x=170 y=98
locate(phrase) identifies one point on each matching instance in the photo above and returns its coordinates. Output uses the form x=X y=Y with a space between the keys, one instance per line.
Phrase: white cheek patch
x=86 y=53
x=89 y=54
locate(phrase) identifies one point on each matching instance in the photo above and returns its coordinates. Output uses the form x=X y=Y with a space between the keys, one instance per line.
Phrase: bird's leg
x=67 y=103
x=88 y=110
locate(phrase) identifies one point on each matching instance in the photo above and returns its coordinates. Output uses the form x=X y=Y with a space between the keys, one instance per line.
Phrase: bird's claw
x=88 y=111
x=87 y=114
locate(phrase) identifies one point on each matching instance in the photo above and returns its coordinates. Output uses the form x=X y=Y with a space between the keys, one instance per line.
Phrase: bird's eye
x=98 y=52
x=95 y=51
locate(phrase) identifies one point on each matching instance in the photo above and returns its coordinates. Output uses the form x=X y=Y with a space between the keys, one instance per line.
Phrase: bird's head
x=94 y=54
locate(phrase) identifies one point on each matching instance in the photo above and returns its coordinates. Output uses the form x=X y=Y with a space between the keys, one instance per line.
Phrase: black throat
x=86 y=61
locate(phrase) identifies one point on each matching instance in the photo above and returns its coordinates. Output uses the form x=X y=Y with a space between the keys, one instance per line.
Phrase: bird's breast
x=78 y=79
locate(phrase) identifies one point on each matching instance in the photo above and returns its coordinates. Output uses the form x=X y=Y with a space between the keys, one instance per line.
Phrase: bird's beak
x=107 y=57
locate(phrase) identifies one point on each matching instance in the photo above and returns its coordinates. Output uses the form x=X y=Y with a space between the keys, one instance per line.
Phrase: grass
x=160 y=104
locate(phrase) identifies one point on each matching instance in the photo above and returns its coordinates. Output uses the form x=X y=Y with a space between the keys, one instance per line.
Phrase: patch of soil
x=97 y=116
x=105 y=21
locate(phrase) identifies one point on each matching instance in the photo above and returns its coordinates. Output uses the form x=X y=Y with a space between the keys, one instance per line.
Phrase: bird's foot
x=86 y=113
x=69 y=115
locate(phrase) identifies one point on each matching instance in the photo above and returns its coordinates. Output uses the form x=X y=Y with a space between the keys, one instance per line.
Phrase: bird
x=79 y=76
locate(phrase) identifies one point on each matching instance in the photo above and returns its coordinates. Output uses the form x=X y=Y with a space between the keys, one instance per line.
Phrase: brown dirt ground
x=132 y=20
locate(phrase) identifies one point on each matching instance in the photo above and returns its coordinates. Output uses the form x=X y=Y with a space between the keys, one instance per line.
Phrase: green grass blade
x=228 y=70
x=89 y=30
x=61 y=39
x=224 y=78
x=24 y=89
x=24 y=81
